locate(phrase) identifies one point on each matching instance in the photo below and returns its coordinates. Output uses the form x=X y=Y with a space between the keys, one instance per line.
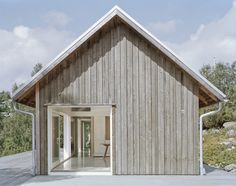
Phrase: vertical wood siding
x=155 y=120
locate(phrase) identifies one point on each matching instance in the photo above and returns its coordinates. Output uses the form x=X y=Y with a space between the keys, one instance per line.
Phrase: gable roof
x=116 y=11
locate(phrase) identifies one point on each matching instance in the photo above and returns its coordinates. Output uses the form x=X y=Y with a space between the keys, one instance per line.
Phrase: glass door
x=86 y=138
x=57 y=140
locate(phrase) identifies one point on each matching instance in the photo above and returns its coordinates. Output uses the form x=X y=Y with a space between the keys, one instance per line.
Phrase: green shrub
x=215 y=153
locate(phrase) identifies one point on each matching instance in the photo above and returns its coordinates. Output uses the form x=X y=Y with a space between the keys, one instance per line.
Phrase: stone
x=227 y=144
x=204 y=132
x=215 y=131
x=229 y=125
x=230 y=167
x=233 y=171
x=231 y=132
x=231 y=140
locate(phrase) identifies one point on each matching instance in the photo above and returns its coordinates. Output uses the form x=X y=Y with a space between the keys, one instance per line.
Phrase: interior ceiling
x=94 y=111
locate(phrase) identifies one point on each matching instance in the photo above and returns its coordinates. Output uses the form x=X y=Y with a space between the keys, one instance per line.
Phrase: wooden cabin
x=117 y=101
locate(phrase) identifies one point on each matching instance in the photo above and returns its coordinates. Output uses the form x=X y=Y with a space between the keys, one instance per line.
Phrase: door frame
x=49 y=141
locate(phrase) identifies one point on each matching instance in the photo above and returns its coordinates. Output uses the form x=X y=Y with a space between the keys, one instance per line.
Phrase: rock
x=231 y=132
x=229 y=125
x=231 y=140
x=230 y=167
x=204 y=132
x=233 y=171
x=227 y=144
x=215 y=131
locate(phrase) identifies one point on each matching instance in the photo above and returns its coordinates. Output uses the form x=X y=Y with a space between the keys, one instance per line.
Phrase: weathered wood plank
x=105 y=61
x=161 y=126
x=99 y=71
x=37 y=127
x=130 y=140
x=123 y=107
x=184 y=125
x=155 y=114
x=178 y=123
x=118 y=98
x=142 y=110
x=88 y=76
x=173 y=119
x=196 y=130
x=148 y=90
x=79 y=79
x=190 y=125
x=94 y=74
x=167 y=119
x=112 y=67
x=135 y=90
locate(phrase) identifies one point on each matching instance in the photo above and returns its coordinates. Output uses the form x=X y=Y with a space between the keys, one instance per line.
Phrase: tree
x=223 y=76
x=36 y=68
x=4 y=106
x=15 y=87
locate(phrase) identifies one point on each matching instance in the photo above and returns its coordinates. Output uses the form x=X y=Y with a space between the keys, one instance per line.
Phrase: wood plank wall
x=155 y=129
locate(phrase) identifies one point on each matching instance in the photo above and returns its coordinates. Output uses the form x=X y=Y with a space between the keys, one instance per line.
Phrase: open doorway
x=79 y=139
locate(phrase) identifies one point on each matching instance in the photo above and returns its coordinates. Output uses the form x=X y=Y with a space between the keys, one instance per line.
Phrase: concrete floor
x=15 y=170
x=85 y=164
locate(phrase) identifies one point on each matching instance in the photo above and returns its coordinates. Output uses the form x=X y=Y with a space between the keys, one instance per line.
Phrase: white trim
x=116 y=11
x=49 y=124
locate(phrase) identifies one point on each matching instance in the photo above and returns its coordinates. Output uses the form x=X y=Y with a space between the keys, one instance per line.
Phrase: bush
x=215 y=153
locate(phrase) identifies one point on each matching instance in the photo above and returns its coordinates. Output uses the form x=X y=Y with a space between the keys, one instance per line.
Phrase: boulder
x=215 y=131
x=227 y=144
x=230 y=167
x=204 y=132
x=229 y=125
x=231 y=140
x=231 y=132
x=233 y=171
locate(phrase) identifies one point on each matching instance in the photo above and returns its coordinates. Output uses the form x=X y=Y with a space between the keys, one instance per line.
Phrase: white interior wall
x=99 y=135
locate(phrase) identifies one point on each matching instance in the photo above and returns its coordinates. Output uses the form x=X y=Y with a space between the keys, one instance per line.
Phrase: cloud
x=56 y=19
x=212 y=42
x=22 y=47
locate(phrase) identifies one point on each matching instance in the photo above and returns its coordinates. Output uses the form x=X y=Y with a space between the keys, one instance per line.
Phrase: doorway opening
x=79 y=139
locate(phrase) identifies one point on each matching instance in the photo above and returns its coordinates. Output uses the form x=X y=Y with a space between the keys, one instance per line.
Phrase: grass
x=217 y=154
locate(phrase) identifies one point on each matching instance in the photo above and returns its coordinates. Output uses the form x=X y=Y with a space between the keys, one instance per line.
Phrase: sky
x=36 y=31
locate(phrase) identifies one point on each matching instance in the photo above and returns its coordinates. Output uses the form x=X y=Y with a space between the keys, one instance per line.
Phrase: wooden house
x=117 y=89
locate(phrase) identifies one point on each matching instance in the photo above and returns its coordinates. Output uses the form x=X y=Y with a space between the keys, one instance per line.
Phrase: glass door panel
x=86 y=138
x=55 y=143
x=57 y=139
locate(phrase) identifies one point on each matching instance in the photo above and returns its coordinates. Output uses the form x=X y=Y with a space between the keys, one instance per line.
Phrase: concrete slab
x=15 y=169
x=132 y=180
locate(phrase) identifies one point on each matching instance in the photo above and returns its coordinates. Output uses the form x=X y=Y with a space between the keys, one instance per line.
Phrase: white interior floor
x=85 y=164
